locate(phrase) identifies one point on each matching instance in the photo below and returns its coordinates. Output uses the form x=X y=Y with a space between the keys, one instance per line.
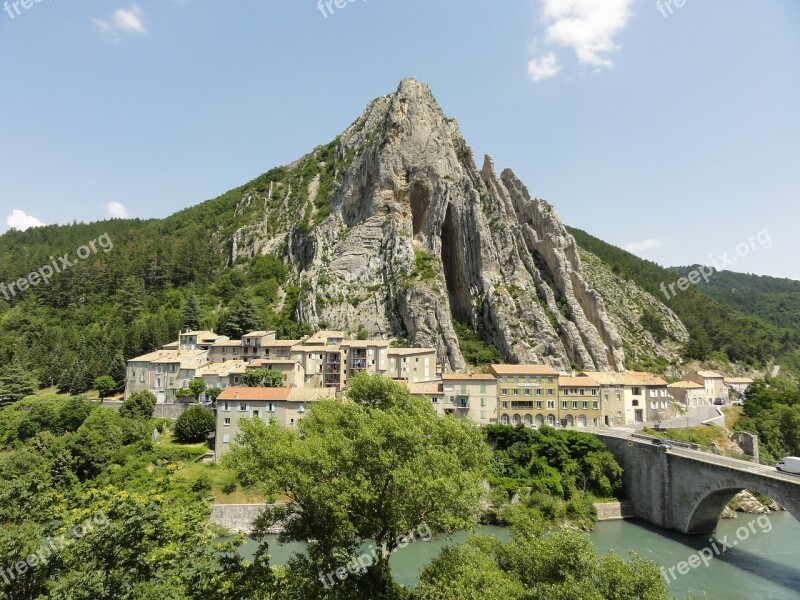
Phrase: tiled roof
x=468 y=376
x=688 y=385
x=577 y=382
x=647 y=378
x=735 y=380
x=255 y=393
x=709 y=374
x=428 y=388
x=524 y=370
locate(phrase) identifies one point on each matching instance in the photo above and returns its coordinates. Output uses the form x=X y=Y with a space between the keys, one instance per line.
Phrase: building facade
x=526 y=394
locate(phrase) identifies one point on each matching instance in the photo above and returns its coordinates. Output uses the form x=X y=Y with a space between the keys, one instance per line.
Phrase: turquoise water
x=764 y=566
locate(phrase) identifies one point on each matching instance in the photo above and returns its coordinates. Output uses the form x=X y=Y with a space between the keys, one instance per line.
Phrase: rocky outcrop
x=746 y=502
x=418 y=236
x=394 y=229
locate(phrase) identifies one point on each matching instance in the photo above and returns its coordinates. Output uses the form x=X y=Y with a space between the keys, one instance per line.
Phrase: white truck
x=790 y=464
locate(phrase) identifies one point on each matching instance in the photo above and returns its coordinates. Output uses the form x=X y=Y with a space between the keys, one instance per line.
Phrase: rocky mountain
x=394 y=229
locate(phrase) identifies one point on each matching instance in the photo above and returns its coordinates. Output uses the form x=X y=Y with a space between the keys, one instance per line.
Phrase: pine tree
x=15 y=383
x=191 y=314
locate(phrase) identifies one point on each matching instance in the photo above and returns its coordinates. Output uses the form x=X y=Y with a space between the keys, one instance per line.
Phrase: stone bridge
x=687 y=490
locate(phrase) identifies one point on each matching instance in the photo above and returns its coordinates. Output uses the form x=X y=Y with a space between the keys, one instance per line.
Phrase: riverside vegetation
x=371 y=467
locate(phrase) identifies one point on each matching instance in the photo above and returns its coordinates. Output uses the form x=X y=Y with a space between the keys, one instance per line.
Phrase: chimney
x=236 y=395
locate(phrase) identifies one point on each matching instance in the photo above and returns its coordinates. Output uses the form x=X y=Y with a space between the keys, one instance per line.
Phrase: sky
x=669 y=128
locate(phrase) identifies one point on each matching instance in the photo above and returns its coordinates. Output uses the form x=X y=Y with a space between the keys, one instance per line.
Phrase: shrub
x=138 y=406
x=202 y=483
x=194 y=425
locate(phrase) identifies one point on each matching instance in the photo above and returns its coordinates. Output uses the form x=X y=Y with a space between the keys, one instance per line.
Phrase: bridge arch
x=704 y=516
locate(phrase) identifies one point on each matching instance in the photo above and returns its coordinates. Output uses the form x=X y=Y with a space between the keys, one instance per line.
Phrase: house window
x=226 y=438
x=594 y=392
x=550 y=392
x=226 y=407
x=483 y=401
x=539 y=404
x=483 y=389
x=585 y=405
x=256 y=414
x=581 y=392
x=575 y=404
x=483 y=415
x=227 y=422
x=242 y=407
x=270 y=407
x=566 y=391
x=551 y=404
x=595 y=405
x=235 y=379
x=505 y=403
x=539 y=391
x=564 y=404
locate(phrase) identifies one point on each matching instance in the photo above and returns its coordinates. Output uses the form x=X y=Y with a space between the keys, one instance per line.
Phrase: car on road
x=662 y=442
x=719 y=401
x=790 y=464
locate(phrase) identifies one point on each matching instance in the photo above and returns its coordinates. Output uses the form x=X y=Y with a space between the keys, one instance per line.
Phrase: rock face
x=419 y=236
x=394 y=230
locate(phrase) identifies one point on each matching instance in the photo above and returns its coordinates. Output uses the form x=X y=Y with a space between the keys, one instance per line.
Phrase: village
x=211 y=369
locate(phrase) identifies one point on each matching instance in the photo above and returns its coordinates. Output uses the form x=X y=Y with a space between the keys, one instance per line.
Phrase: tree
x=74 y=412
x=262 y=378
x=139 y=406
x=15 y=383
x=373 y=468
x=191 y=314
x=105 y=385
x=241 y=319
x=562 y=564
x=194 y=425
x=213 y=393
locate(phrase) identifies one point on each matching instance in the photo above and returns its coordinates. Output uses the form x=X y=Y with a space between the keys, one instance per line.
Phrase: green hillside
x=715 y=325
x=774 y=300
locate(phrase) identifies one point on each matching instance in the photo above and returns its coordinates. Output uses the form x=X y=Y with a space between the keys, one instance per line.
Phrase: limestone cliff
x=394 y=229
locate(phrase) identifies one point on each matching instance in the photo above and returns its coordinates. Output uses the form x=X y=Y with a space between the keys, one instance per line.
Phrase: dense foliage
x=194 y=425
x=713 y=326
x=773 y=411
x=132 y=529
x=372 y=468
x=562 y=564
x=556 y=475
x=475 y=351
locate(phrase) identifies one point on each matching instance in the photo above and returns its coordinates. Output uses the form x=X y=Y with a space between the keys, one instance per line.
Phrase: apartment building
x=199 y=340
x=471 y=396
x=659 y=405
x=284 y=405
x=579 y=402
x=526 y=394
x=413 y=365
x=294 y=375
x=621 y=398
x=713 y=382
x=737 y=385
x=163 y=372
x=688 y=393
x=222 y=375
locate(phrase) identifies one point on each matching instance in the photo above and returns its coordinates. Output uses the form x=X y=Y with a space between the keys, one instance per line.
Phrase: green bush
x=138 y=406
x=194 y=425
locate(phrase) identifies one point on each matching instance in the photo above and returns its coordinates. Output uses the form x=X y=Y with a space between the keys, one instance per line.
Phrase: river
x=763 y=564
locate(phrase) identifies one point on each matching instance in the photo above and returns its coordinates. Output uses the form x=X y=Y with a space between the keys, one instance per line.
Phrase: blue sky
x=674 y=131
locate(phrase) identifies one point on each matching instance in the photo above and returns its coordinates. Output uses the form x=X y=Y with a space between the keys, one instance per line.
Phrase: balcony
x=461 y=402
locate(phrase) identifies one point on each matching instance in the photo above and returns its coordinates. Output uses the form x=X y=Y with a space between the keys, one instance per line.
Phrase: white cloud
x=127 y=21
x=116 y=210
x=19 y=220
x=587 y=27
x=650 y=244
x=544 y=66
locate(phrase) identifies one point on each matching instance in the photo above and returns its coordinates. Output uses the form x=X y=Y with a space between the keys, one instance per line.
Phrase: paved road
x=696 y=416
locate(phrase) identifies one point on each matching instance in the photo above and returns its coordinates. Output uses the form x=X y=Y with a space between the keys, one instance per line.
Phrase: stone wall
x=238 y=518
x=613 y=511
x=161 y=411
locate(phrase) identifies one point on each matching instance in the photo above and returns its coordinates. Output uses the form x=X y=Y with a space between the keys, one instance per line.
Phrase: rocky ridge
x=394 y=230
